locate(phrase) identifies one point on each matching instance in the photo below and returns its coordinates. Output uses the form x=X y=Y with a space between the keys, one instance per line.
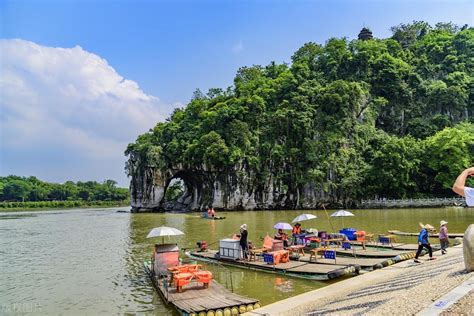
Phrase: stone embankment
x=405 y=288
x=411 y=203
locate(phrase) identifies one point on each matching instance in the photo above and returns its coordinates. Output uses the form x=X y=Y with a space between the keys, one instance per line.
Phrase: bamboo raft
x=198 y=300
x=399 y=233
x=300 y=269
x=384 y=252
x=215 y=218
x=364 y=263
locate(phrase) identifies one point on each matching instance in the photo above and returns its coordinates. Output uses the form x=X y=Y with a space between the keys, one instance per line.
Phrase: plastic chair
x=266 y=247
x=385 y=240
x=204 y=277
x=182 y=279
x=285 y=256
x=360 y=237
x=185 y=268
x=314 y=253
x=346 y=245
x=330 y=254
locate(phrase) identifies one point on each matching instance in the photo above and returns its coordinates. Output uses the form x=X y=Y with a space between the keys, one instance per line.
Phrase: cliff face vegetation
x=344 y=121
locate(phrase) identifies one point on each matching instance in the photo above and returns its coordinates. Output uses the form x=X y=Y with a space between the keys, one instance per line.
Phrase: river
x=90 y=261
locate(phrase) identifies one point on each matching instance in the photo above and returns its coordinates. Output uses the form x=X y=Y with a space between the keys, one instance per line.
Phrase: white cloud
x=71 y=99
x=238 y=47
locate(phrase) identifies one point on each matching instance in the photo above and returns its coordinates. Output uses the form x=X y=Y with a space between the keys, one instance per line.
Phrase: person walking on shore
x=423 y=241
x=443 y=237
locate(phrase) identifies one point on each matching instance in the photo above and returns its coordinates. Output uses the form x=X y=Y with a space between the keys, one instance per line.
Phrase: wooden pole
x=329 y=220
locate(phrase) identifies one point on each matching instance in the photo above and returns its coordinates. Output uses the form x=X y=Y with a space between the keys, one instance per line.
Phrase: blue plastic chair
x=330 y=254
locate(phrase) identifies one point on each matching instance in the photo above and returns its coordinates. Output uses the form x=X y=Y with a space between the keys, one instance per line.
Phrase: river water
x=90 y=261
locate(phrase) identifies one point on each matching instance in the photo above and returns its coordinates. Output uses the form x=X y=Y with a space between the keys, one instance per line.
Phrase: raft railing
x=226 y=272
x=160 y=278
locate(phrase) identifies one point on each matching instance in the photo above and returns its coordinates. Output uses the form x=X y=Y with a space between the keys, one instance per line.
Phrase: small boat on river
x=213 y=217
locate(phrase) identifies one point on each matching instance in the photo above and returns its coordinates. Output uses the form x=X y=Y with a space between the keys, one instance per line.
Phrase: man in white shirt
x=460 y=186
x=468 y=240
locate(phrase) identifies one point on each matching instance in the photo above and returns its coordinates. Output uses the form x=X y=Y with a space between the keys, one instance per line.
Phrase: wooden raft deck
x=370 y=253
x=364 y=263
x=394 y=246
x=195 y=298
x=317 y=271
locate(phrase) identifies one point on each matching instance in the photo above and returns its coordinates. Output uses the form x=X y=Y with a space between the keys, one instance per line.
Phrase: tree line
x=31 y=189
x=358 y=119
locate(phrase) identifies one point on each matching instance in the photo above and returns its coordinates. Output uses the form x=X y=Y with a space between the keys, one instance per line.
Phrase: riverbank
x=412 y=203
x=42 y=205
x=406 y=288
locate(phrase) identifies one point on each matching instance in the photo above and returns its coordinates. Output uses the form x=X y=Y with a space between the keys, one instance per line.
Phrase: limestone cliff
x=231 y=190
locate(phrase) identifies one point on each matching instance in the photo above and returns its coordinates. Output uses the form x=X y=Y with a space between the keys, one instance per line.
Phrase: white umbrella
x=284 y=226
x=342 y=213
x=303 y=217
x=164 y=231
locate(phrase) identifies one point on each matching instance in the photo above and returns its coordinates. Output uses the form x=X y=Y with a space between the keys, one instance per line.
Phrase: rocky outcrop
x=237 y=189
x=468 y=248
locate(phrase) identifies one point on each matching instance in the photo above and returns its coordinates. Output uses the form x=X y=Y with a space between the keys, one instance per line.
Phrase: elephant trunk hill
x=345 y=121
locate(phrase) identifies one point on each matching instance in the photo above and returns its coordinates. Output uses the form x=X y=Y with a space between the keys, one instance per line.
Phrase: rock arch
x=149 y=188
x=195 y=196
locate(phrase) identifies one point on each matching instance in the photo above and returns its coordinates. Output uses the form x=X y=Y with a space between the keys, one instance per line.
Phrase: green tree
x=448 y=152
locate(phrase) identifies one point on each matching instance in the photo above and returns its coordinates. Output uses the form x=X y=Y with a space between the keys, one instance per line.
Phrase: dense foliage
x=363 y=118
x=31 y=189
x=4 y=205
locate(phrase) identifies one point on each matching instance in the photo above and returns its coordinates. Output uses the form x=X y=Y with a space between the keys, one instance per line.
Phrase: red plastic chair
x=182 y=279
x=204 y=277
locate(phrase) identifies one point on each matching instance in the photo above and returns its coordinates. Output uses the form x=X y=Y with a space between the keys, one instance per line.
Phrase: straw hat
x=426 y=226
x=443 y=222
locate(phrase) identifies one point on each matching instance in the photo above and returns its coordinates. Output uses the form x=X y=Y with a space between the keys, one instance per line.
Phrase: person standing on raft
x=296 y=231
x=244 y=241
x=423 y=242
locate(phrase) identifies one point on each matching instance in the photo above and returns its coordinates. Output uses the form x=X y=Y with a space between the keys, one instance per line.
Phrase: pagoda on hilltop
x=365 y=34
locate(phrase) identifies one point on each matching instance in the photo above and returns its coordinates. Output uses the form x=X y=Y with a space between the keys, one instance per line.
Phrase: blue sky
x=159 y=52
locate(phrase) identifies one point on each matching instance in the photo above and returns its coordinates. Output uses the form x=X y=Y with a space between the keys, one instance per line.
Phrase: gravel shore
x=464 y=306
x=405 y=288
x=414 y=287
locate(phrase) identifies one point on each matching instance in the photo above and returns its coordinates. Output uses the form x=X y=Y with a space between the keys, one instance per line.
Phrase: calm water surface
x=90 y=261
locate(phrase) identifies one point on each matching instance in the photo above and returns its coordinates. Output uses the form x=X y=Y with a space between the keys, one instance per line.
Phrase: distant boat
x=214 y=218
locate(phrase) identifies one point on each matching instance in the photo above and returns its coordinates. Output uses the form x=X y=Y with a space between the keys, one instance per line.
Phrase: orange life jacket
x=296 y=230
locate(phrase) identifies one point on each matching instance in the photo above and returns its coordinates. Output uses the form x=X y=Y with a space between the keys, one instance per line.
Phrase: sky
x=79 y=80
